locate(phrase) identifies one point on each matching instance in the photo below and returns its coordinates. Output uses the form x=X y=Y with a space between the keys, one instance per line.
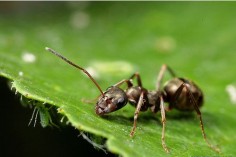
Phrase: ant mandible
x=180 y=93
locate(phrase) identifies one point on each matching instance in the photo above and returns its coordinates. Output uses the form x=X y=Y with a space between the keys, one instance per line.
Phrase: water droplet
x=80 y=20
x=165 y=44
x=231 y=90
x=20 y=73
x=28 y=57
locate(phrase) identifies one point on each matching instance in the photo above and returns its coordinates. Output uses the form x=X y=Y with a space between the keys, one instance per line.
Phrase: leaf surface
x=195 y=39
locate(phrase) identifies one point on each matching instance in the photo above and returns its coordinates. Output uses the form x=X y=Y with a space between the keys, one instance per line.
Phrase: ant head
x=113 y=99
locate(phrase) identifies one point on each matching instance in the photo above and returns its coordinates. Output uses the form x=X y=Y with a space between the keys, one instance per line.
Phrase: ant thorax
x=133 y=94
x=151 y=99
x=154 y=100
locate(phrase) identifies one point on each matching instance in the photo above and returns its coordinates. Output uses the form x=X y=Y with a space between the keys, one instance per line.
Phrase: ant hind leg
x=193 y=101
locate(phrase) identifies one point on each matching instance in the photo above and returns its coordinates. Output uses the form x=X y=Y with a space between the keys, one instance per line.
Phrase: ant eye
x=120 y=101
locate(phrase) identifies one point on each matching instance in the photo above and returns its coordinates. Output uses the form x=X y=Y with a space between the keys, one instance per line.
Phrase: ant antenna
x=76 y=66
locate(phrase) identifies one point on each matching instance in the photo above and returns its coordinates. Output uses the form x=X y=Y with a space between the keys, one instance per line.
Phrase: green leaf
x=114 y=40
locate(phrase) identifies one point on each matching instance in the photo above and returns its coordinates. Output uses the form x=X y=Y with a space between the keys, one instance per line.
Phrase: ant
x=180 y=93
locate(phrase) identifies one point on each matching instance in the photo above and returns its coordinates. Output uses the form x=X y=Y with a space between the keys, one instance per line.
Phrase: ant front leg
x=129 y=83
x=139 y=105
x=138 y=78
x=164 y=68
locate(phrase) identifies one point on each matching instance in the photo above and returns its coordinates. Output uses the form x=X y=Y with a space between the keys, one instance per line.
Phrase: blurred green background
x=197 y=39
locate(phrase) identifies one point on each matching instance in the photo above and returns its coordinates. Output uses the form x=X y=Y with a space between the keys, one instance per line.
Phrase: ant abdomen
x=176 y=94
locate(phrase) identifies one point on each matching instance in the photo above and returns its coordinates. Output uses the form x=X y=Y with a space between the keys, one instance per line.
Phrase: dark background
x=19 y=139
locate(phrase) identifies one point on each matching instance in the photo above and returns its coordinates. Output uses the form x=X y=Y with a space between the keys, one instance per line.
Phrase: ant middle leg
x=160 y=76
x=163 y=120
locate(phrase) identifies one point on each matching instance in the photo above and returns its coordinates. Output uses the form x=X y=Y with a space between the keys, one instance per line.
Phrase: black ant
x=180 y=93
